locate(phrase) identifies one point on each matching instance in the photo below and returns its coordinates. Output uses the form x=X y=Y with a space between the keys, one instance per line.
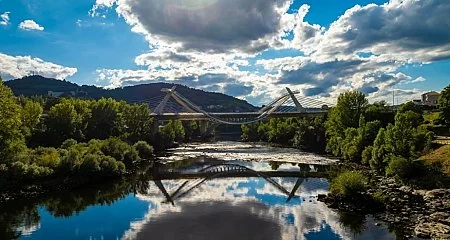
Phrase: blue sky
x=248 y=49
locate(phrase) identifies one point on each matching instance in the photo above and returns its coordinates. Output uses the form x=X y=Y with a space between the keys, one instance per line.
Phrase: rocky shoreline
x=420 y=213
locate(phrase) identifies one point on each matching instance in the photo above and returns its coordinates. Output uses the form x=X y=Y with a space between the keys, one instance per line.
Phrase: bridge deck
x=240 y=115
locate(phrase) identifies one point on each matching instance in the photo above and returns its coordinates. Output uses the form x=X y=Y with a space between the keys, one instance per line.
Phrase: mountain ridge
x=40 y=86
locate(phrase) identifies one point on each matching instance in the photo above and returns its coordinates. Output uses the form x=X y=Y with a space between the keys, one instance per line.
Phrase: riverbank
x=10 y=191
x=412 y=211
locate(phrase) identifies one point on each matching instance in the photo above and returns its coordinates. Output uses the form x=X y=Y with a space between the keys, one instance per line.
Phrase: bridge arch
x=277 y=108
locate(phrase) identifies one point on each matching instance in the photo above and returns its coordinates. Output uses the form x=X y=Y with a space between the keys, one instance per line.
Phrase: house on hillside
x=430 y=98
x=76 y=93
x=54 y=94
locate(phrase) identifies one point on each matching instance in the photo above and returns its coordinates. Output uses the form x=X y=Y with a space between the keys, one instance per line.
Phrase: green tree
x=379 y=111
x=250 y=132
x=444 y=106
x=31 y=116
x=144 y=149
x=105 y=120
x=11 y=138
x=138 y=122
x=349 y=108
x=63 y=122
x=410 y=106
x=379 y=152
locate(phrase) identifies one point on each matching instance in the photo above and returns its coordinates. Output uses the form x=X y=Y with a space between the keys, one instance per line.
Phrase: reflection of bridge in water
x=224 y=170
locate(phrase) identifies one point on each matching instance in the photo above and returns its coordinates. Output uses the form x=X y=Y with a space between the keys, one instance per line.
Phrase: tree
x=379 y=152
x=63 y=122
x=105 y=119
x=138 y=122
x=349 y=108
x=31 y=116
x=444 y=106
x=11 y=138
x=381 y=112
x=410 y=106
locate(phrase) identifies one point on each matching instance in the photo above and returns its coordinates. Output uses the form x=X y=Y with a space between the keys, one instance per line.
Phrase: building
x=76 y=93
x=430 y=98
x=417 y=102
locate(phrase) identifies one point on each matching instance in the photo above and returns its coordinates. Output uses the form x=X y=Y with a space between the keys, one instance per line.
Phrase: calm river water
x=245 y=193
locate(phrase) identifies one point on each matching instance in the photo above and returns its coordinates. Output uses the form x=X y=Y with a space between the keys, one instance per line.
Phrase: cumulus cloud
x=19 y=66
x=401 y=29
x=29 y=25
x=212 y=26
x=4 y=18
x=217 y=45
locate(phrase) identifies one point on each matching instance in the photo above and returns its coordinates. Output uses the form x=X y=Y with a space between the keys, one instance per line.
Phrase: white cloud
x=20 y=66
x=406 y=30
x=4 y=18
x=215 y=45
x=29 y=25
x=93 y=23
x=211 y=26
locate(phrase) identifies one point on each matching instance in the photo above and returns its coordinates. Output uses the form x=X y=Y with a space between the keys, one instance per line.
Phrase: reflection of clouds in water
x=26 y=230
x=221 y=205
x=246 y=152
x=214 y=220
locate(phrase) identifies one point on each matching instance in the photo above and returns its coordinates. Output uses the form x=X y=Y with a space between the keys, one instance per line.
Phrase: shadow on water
x=204 y=199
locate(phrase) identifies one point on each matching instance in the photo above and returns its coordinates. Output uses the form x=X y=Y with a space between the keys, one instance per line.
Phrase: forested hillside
x=38 y=85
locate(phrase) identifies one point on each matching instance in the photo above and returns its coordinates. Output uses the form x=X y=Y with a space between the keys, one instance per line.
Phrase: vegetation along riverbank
x=52 y=143
x=392 y=164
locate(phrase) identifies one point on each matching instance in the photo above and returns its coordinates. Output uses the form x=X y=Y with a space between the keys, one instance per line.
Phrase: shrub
x=349 y=183
x=72 y=161
x=47 y=157
x=130 y=157
x=144 y=149
x=90 y=164
x=367 y=155
x=110 y=166
x=68 y=143
x=115 y=148
x=25 y=171
x=380 y=197
x=404 y=168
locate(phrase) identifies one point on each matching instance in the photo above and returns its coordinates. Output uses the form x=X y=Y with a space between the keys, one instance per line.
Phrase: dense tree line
x=48 y=137
x=356 y=131
x=303 y=133
x=386 y=145
x=444 y=106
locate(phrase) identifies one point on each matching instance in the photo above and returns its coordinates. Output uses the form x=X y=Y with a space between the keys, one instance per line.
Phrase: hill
x=40 y=86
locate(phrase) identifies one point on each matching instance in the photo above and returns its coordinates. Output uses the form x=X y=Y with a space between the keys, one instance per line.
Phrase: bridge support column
x=155 y=127
x=203 y=127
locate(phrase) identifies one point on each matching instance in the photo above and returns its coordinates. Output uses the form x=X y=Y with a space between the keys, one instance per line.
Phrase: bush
x=68 y=143
x=348 y=183
x=111 y=167
x=72 y=161
x=115 y=148
x=47 y=157
x=144 y=149
x=25 y=171
x=404 y=168
x=90 y=164
x=130 y=157
x=367 y=155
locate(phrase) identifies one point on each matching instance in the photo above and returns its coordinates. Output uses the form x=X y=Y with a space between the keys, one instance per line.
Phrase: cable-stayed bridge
x=174 y=106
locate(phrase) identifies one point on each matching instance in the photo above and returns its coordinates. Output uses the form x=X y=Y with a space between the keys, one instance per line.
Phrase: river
x=223 y=190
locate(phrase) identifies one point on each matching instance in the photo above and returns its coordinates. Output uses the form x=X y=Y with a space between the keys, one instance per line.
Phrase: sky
x=247 y=49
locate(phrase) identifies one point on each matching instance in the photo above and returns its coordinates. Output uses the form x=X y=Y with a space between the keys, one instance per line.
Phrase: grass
x=431 y=117
x=439 y=156
x=348 y=183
